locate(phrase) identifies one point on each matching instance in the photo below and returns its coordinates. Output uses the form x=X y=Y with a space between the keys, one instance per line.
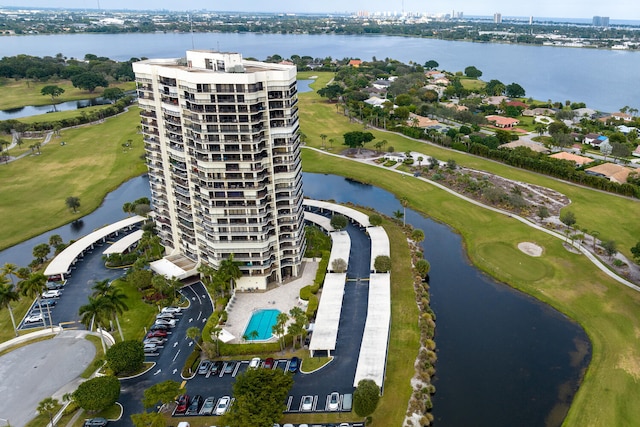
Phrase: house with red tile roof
x=578 y=160
x=355 y=63
x=517 y=104
x=502 y=122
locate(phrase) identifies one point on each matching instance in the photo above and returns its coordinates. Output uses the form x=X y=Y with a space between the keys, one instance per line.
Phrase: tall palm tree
x=101 y=287
x=117 y=300
x=7 y=296
x=9 y=269
x=229 y=268
x=404 y=202
x=33 y=287
x=324 y=137
x=96 y=312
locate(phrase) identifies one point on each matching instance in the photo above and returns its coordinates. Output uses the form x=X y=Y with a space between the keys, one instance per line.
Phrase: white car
x=170 y=323
x=334 y=401
x=150 y=348
x=173 y=310
x=154 y=340
x=307 y=403
x=34 y=318
x=223 y=405
x=255 y=363
x=51 y=294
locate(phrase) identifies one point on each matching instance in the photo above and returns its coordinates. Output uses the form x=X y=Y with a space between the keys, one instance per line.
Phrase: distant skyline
x=625 y=9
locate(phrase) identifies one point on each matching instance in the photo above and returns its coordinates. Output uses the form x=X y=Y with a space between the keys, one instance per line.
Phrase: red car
x=268 y=363
x=157 y=334
x=183 y=404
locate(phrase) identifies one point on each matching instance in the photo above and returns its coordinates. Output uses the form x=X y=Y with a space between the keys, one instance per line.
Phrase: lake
x=604 y=79
x=34 y=110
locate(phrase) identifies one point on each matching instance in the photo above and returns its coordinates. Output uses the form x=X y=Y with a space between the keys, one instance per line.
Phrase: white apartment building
x=223 y=153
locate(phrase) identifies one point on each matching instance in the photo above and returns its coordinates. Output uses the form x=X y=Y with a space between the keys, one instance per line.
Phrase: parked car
x=268 y=363
x=96 y=422
x=204 y=367
x=169 y=323
x=157 y=327
x=229 y=367
x=208 y=405
x=156 y=341
x=176 y=310
x=157 y=334
x=51 y=294
x=194 y=405
x=151 y=348
x=34 y=318
x=183 y=403
x=294 y=364
x=334 y=401
x=307 y=403
x=223 y=405
x=255 y=363
x=48 y=303
x=216 y=367
x=347 y=401
x=168 y=316
x=54 y=285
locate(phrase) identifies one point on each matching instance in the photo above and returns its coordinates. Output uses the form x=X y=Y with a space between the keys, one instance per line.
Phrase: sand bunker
x=530 y=248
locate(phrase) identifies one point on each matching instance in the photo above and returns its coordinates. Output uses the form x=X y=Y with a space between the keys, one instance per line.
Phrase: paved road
x=32 y=373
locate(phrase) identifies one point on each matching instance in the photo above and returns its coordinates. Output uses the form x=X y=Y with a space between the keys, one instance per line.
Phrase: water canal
x=504 y=358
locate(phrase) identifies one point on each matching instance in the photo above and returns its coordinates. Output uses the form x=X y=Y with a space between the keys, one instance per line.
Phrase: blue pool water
x=262 y=322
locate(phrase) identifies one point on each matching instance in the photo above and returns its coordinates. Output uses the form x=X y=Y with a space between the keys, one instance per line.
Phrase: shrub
x=312 y=307
x=97 y=393
x=339 y=222
x=305 y=293
x=382 y=263
x=125 y=356
x=365 y=397
x=339 y=265
x=375 y=219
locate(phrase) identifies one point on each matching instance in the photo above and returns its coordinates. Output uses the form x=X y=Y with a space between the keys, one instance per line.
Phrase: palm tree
x=101 y=288
x=55 y=240
x=33 y=287
x=117 y=300
x=230 y=270
x=9 y=269
x=404 y=202
x=194 y=333
x=331 y=141
x=8 y=295
x=324 y=137
x=95 y=312
x=215 y=334
x=46 y=406
x=398 y=215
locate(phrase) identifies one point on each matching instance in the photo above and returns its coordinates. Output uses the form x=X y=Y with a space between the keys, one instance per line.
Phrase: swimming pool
x=261 y=322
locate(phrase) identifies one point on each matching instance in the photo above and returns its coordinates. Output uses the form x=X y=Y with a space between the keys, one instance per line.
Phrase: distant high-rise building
x=223 y=151
x=600 y=21
x=530 y=20
x=497 y=18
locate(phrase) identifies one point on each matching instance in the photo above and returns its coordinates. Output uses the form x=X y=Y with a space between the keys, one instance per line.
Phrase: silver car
x=208 y=405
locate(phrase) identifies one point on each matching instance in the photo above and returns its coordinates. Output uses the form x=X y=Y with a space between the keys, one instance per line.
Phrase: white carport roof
x=62 y=263
x=167 y=268
x=319 y=220
x=355 y=215
x=124 y=244
x=325 y=331
x=373 y=350
x=379 y=243
x=340 y=247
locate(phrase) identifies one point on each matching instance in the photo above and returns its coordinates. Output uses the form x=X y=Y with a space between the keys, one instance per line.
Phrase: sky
x=623 y=9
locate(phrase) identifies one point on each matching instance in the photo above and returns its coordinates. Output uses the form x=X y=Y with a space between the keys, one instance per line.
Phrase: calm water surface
x=605 y=80
x=34 y=110
x=504 y=358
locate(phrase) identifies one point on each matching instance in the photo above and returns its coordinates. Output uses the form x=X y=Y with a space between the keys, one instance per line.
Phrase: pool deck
x=280 y=297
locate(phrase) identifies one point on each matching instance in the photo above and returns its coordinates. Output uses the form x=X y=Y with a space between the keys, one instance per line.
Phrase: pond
x=35 y=110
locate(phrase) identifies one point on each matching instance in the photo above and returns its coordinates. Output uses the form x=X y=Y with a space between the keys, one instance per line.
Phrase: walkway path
x=525 y=221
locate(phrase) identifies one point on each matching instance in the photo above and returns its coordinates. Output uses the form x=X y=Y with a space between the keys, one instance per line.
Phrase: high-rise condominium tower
x=223 y=152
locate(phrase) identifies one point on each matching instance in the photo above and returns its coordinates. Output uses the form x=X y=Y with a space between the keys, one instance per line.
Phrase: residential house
x=355 y=63
x=375 y=101
x=538 y=112
x=396 y=157
x=615 y=173
x=636 y=152
x=381 y=84
x=455 y=106
x=502 y=122
x=517 y=104
x=625 y=129
x=494 y=100
x=533 y=146
x=584 y=112
x=442 y=81
x=621 y=116
x=578 y=160
x=421 y=122
x=594 y=139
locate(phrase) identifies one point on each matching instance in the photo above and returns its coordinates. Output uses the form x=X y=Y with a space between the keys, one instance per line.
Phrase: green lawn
x=569 y=282
x=91 y=164
x=19 y=93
